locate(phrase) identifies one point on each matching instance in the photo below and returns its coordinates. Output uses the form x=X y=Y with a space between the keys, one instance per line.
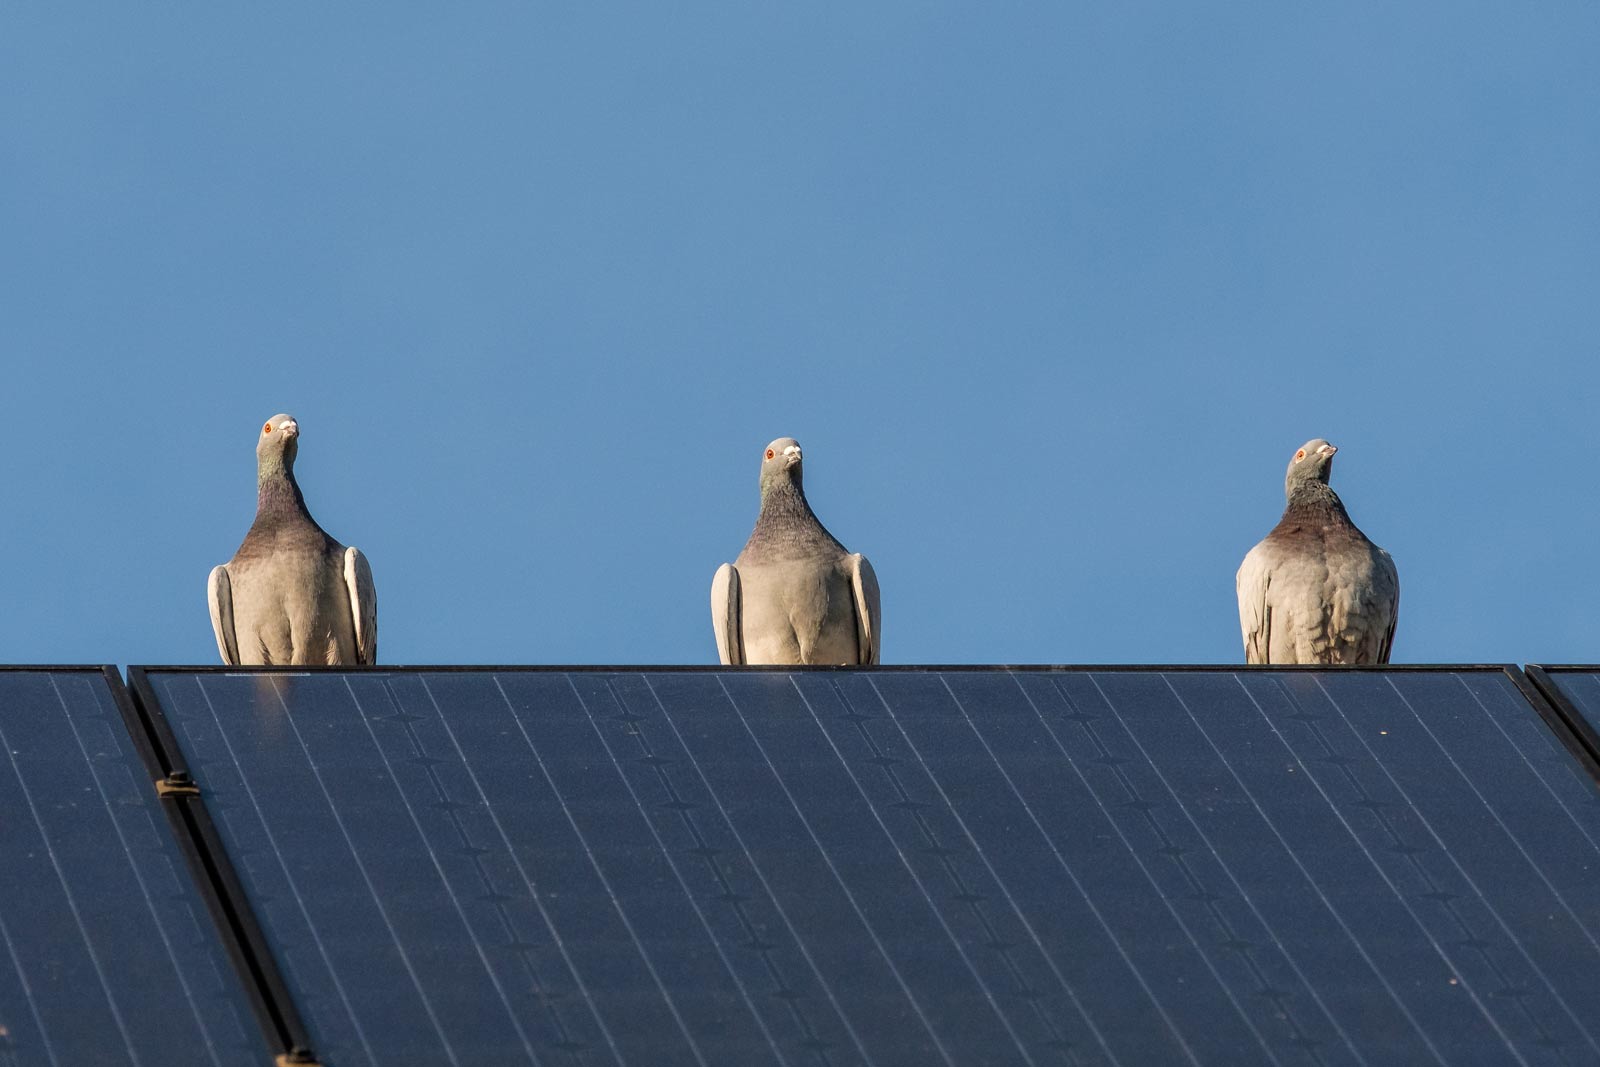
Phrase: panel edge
x=213 y=873
x=1561 y=716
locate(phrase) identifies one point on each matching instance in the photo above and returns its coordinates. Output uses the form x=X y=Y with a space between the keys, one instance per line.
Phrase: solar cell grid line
x=1237 y=770
x=248 y=840
x=1444 y=903
x=1544 y=891
x=589 y=847
x=1228 y=931
x=1502 y=931
x=1447 y=890
x=108 y=955
x=862 y=988
x=1333 y=901
x=364 y=866
x=960 y=856
x=996 y=813
x=981 y=943
x=411 y=750
x=668 y=996
x=1538 y=738
x=1284 y=840
x=1541 y=917
x=759 y=921
x=815 y=815
x=564 y=1030
x=642 y=752
x=1212 y=912
x=445 y=1007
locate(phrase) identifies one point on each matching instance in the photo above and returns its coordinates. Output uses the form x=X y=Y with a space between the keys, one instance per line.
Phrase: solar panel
x=908 y=866
x=108 y=954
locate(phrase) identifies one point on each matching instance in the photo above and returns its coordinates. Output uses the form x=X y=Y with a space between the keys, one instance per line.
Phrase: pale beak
x=1327 y=450
x=290 y=428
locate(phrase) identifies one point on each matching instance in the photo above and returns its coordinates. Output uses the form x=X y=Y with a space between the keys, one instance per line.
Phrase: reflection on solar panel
x=909 y=866
x=109 y=955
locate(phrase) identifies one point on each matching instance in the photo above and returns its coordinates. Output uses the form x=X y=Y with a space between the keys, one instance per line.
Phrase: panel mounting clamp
x=177 y=784
x=296 y=1057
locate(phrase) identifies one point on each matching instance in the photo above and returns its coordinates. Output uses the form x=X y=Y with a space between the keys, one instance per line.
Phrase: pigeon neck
x=1313 y=498
x=787 y=525
x=277 y=493
x=785 y=499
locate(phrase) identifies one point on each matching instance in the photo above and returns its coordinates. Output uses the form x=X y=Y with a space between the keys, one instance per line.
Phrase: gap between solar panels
x=215 y=877
x=109 y=955
x=1563 y=687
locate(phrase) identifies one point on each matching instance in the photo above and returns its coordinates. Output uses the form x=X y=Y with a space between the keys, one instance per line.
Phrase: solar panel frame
x=214 y=875
x=255 y=953
x=1581 y=736
x=122 y=701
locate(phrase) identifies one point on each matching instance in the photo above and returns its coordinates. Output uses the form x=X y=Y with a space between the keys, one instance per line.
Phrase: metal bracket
x=178 y=784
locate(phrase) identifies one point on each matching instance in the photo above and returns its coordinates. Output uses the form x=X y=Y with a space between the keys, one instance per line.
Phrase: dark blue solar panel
x=107 y=955
x=910 y=867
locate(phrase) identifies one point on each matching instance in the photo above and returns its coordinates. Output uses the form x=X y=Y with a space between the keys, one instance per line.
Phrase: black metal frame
x=214 y=875
x=1576 y=732
x=708 y=668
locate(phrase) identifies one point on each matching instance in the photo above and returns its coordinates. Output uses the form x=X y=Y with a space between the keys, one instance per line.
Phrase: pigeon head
x=780 y=463
x=276 y=448
x=1312 y=462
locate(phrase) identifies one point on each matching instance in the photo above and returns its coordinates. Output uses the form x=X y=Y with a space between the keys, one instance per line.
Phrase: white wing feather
x=726 y=615
x=219 y=592
x=869 y=612
x=363 y=605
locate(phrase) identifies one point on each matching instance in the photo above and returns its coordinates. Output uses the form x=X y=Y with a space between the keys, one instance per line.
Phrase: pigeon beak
x=290 y=428
x=791 y=455
x=1327 y=450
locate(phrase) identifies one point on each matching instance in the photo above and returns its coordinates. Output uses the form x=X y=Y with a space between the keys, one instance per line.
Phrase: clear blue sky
x=1049 y=293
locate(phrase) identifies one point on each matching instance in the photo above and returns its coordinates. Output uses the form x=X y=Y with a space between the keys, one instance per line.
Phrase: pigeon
x=794 y=595
x=1315 y=590
x=291 y=594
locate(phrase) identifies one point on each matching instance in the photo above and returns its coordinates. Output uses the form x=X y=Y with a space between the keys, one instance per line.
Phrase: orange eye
x=267 y=428
x=1300 y=454
x=769 y=453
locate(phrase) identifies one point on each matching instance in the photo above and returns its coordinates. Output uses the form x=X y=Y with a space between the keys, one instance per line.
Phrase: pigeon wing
x=1255 y=616
x=725 y=615
x=219 y=591
x=1387 y=579
x=363 y=605
x=869 y=613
